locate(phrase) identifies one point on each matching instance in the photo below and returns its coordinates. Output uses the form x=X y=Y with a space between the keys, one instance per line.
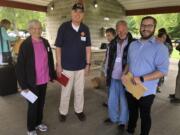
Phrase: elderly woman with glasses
x=35 y=68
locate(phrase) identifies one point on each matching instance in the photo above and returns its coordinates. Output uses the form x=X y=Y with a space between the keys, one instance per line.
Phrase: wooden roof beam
x=13 y=4
x=159 y=10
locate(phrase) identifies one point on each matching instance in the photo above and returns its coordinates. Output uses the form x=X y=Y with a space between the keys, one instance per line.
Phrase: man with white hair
x=148 y=61
x=117 y=104
x=73 y=51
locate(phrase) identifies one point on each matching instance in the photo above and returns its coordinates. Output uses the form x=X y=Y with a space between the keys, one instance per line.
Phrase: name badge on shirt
x=83 y=38
x=118 y=59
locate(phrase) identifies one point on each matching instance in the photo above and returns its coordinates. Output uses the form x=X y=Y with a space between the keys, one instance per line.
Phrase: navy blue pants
x=143 y=105
x=35 y=110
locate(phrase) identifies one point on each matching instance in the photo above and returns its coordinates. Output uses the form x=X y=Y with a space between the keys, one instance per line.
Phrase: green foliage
x=20 y=17
x=175 y=31
x=175 y=54
x=169 y=21
x=132 y=25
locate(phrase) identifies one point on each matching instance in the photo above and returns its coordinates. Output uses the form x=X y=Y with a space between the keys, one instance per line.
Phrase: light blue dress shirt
x=147 y=57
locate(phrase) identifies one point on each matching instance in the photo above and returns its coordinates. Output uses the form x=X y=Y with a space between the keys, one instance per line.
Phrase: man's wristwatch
x=89 y=64
x=141 y=78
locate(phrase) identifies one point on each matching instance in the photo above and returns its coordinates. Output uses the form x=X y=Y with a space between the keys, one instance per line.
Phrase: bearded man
x=148 y=60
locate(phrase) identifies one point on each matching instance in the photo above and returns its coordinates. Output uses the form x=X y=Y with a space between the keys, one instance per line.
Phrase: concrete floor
x=165 y=116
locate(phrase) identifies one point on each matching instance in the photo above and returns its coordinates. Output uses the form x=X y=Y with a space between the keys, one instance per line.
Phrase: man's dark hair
x=150 y=17
x=111 y=30
x=162 y=30
x=4 y=22
x=161 y=34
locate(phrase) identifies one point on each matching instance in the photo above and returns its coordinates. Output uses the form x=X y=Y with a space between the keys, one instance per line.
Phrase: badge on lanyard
x=48 y=49
x=118 y=59
x=83 y=38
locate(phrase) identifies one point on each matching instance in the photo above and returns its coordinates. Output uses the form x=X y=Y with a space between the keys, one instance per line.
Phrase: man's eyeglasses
x=149 y=26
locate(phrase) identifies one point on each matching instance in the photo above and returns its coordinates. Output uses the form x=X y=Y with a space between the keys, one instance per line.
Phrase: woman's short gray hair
x=33 y=22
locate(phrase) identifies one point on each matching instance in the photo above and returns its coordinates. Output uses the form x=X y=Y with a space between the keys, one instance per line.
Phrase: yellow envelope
x=136 y=90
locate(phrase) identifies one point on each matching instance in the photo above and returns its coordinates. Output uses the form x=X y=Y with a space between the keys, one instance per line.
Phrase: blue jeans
x=117 y=103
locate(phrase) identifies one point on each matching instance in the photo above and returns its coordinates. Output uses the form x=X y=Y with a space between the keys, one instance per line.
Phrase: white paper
x=118 y=59
x=31 y=97
x=1 y=58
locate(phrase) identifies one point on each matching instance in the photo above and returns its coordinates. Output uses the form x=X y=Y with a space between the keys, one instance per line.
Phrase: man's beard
x=122 y=37
x=146 y=37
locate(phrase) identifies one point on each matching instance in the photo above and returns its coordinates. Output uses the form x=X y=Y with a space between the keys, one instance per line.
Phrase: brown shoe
x=81 y=116
x=62 y=118
x=104 y=104
x=108 y=121
x=175 y=100
x=171 y=96
x=121 y=127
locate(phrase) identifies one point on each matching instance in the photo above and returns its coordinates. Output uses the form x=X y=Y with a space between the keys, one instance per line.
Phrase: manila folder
x=136 y=90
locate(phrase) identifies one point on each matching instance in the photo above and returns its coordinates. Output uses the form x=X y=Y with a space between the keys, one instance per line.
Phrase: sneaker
x=42 y=127
x=175 y=100
x=32 y=132
x=171 y=95
x=62 y=118
x=108 y=121
x=81 y=116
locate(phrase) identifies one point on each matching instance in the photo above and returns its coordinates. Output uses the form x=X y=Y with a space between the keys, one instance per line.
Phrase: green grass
x=175 y=54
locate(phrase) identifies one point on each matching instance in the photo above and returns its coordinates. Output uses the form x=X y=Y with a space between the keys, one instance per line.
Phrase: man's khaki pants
x=76 y=82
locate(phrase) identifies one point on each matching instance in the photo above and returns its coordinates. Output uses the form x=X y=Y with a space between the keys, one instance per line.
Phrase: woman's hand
x=25 y=90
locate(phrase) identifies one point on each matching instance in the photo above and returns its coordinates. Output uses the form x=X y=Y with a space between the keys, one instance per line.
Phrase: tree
x=175 y=31
x=171 y=22
x=132 y=25
x=20 y=17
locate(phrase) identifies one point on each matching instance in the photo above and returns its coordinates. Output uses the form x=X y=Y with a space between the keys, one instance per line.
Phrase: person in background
x=110 y=35
x=73 y=52
x=164 y=38
x=175 y=98
x=5 y=46
x=148 y=60
x=161 y=38
x=117 y=59
x=34 y=69
x=168 y=42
